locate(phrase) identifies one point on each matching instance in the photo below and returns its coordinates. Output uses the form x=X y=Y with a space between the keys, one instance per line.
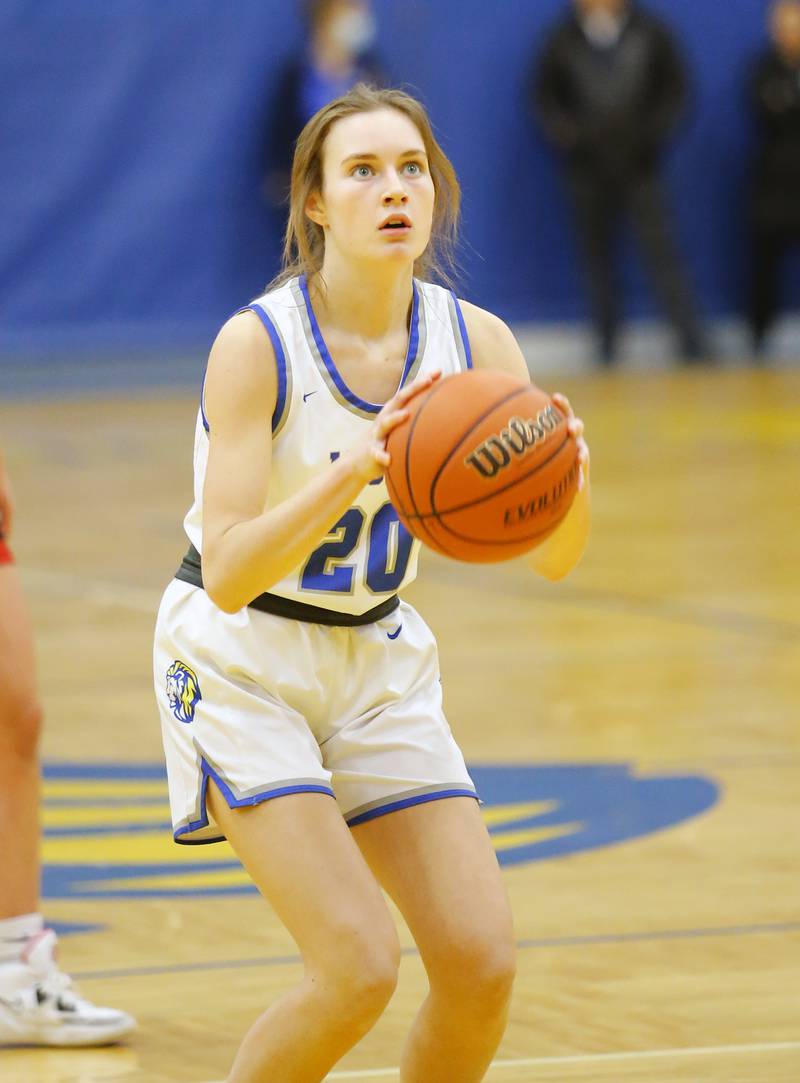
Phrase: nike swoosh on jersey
x=395 y=633
x=308 y=394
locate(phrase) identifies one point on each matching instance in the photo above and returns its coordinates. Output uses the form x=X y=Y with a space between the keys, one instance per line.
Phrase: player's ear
x=315 y=209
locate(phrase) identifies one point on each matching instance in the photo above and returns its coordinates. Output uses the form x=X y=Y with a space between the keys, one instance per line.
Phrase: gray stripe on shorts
x=407 y=795
x=241 y=795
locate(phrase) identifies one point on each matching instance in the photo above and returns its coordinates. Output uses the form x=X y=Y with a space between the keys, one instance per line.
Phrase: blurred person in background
x=338 y=54
x=38 y=1004
x=775 y=92
x=609 y=89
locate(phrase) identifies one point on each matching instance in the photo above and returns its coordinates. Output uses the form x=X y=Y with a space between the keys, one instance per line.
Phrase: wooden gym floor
x=634 y=731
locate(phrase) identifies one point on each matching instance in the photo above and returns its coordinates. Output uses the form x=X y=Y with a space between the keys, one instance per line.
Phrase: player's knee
x=495 y=972
x=20 y=727
x=373 y=986
x=363 y=974
x=477 y=973
x=374 y=967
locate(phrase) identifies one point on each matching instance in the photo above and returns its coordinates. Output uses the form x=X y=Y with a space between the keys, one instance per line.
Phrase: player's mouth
x=396 y=224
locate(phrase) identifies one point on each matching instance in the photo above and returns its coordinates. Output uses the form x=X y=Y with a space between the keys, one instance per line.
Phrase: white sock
x=16 y=932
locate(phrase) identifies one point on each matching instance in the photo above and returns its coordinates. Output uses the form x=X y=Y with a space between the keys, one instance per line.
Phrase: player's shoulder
x=252 y=328
x=481 y=321
x=492 y=341
x=243 y=336
x=242 y=370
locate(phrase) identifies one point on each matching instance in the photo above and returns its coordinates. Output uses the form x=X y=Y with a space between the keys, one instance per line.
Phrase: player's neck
x=371 y=304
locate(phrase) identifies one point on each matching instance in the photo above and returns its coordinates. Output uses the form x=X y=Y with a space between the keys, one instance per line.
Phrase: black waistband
x=191 y=571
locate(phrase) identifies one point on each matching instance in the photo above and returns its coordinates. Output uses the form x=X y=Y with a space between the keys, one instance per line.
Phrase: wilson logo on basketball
x=515 y=440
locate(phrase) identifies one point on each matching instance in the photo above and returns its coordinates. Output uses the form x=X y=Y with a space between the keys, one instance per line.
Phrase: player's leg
x=436 y=861
x=302 y=857
x=20 y=724
x=37 y=1002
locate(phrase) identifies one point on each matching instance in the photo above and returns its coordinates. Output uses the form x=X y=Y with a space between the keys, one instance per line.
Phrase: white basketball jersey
x=368 y=554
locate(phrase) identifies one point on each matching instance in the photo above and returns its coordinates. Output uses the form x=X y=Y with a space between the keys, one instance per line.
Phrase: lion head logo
x=183 y=691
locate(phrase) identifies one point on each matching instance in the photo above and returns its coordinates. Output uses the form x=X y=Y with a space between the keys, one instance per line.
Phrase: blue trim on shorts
x=234 y=802
x=407 y=802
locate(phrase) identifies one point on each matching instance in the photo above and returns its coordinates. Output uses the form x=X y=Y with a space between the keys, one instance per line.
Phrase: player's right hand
x=370 y=457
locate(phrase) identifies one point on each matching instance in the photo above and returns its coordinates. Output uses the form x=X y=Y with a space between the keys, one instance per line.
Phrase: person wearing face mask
x=337 y=55
x=608 y=90
x=775 y=217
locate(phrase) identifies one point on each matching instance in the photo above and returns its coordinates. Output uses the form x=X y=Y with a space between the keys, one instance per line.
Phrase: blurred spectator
x=337 y=55
x=608 y=90
x=776 y=195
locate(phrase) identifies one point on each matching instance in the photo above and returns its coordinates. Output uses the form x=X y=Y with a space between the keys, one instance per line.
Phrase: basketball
x=484 y=468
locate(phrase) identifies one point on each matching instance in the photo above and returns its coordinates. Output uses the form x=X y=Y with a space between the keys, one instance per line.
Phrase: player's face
x=377 y=196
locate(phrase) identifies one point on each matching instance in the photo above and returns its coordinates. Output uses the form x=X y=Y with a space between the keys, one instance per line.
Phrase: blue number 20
x=388 y=552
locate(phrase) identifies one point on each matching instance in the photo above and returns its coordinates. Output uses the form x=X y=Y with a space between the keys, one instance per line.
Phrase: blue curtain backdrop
x=131 y=141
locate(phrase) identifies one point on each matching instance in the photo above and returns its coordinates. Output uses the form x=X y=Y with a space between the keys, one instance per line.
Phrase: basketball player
x=38 y=1004
x=300 y=700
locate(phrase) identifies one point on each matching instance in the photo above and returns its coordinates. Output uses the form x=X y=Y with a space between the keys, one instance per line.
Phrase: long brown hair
x=304 y=244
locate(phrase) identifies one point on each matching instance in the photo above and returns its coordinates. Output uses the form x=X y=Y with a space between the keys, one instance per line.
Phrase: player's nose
x=394 y=191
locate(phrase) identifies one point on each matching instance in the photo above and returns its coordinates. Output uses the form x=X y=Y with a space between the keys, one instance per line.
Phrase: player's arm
x=246 y=548
x=494 y=347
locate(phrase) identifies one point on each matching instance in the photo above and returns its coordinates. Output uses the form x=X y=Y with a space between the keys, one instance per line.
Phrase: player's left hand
x=575 y=427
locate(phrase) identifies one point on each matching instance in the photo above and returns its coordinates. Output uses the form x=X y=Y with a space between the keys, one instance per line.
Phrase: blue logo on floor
x=107 y=832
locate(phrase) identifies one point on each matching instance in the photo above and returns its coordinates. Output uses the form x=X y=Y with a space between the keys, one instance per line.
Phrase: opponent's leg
x=38 y=1004
x=437 y=862
x=301 y=856
x=20 y=725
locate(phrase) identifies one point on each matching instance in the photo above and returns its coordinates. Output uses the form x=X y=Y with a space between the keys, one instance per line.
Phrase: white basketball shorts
x=267 y=706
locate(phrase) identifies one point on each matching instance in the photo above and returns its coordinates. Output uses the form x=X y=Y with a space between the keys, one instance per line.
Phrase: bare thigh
x=437 y=862
x=302 y=858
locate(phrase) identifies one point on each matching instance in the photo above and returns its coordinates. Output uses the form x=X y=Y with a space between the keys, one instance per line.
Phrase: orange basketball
x=484 y=468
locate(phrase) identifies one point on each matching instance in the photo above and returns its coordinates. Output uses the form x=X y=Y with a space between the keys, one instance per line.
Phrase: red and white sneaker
x=40 y=1006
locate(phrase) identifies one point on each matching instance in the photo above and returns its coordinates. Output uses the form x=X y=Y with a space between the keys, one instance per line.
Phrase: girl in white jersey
x=300 y=700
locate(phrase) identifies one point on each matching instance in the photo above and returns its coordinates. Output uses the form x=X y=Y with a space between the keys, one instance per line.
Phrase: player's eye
x=361 y=171
x=413 y=168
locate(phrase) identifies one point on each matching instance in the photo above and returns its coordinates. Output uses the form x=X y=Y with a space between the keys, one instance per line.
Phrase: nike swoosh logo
x=395 y=633
x=308 y=395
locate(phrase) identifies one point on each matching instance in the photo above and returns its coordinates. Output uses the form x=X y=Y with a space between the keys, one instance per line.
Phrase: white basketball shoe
x=40 y=1006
